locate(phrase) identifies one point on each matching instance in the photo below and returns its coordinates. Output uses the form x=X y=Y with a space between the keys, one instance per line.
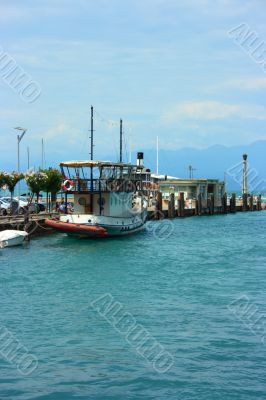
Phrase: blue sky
x=167 y=67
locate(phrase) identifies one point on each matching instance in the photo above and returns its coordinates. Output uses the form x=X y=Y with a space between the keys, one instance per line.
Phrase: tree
x=37 y=182
x=53 y=184
x=11 y=179
x=2 y=179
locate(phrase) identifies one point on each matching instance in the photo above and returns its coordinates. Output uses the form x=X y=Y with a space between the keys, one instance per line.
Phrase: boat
x=108 y=199
x=12 y=237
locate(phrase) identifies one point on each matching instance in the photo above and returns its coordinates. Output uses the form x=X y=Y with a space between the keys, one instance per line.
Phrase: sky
x=168 y=68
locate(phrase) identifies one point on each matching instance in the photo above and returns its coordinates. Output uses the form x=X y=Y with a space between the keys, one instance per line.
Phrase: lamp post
x=28 y=157
x=19 y=138
x=245 y=181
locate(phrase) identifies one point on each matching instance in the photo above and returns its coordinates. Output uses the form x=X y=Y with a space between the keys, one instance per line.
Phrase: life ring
x=67 y=185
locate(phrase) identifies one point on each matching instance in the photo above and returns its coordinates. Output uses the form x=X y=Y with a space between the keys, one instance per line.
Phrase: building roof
x=193 y=181
x=89 y=163
x=162 y=177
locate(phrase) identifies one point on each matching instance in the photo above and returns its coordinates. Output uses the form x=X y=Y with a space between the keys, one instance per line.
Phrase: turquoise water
x=178 y=289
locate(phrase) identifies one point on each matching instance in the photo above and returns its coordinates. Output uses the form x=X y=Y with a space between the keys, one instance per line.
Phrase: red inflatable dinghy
x=76 y=229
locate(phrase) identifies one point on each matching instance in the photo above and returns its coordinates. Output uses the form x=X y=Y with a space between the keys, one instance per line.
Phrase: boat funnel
x=140 y=159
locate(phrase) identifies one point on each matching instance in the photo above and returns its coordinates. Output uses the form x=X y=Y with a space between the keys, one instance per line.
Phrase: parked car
x=6 y=199
x=41 y=204
x=36 y=207
x=4 y=207
x=17 y=206
x=22 y=201
x=41 y=207
x=22 y=205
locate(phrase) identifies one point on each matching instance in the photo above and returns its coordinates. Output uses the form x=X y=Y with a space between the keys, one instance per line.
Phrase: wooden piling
x=178 y=206
x=196 y=207
x=181 y=205
x=26 y=221
x=199 y=205
x=171 y=206
x=233 y=203
x=224 y=203
x=251 y=203
x=211 y=204
x=159 y=205
x=244 y=202
x=182 y=200
x=259 y=203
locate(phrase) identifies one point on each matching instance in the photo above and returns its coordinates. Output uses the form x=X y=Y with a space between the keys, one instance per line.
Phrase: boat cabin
x=101 y=187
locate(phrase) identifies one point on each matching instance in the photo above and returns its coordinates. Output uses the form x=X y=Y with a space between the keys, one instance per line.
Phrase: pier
x=32 y=223
x=170 y=208
x=177 y=197
x=177 y=206
x=166 y=196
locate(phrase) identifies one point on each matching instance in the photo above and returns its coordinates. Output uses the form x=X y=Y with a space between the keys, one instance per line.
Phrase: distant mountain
x=213 y=162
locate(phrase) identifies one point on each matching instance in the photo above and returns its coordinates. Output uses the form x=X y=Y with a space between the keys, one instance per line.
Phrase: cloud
x=10 y=113
x=222 y=8
x=248 y=83
x=8 y=12
x=212 y=110
x=18 y=11
x=62 y=132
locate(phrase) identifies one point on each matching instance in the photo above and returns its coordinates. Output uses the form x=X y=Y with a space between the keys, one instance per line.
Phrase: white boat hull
x=10 y=238
x=89 y=225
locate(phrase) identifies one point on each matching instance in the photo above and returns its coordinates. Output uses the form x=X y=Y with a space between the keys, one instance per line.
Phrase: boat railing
x=104 y=185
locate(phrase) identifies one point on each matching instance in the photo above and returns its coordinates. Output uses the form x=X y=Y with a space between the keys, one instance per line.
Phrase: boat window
x=82 y=201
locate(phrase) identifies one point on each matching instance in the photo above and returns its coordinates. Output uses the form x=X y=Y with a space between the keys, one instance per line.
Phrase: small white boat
x=12 y=237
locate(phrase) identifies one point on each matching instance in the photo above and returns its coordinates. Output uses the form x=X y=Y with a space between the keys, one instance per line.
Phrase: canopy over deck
x=88 y=163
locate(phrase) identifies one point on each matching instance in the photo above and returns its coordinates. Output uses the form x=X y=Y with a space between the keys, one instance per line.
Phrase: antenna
x=121 y=141
x=92 y=145
x=42 y=153
x=191 y=170
x=225 y=180
x=91 y=136
x=157 y=157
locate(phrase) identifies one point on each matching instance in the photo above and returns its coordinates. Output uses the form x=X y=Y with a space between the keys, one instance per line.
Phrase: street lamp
x=19 y=137
x=245 y=180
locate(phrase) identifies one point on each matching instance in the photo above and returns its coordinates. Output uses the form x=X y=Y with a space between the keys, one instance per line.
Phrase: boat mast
x=130 y=150
x=121 y=141
x=91 y=154
x=91 y=150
